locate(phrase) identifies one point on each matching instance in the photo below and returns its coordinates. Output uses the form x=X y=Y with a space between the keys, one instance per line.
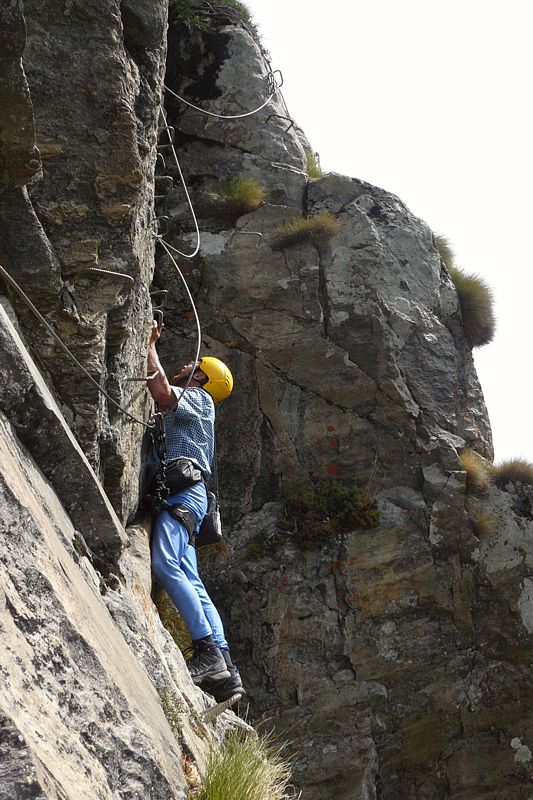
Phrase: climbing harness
x=65 y=349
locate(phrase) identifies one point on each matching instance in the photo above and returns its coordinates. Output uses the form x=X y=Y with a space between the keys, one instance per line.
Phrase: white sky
x=431 y=100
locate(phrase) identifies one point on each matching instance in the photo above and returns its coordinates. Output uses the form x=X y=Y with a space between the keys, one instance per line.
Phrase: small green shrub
x=314 y=229
x=185 y=12
x=445 y=251
x=236 y=196
x=198 y=16
x=263 y=544
x=476 y=300
x=313 y=168
x=246 y=767
x=515 y=469
x=332 y=507
x=170 y=618
x=478 y=472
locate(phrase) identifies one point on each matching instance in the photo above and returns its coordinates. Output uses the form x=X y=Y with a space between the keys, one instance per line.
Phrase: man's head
x=211 y=374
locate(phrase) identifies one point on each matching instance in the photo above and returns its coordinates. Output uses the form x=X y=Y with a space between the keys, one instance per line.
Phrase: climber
x=189 y=430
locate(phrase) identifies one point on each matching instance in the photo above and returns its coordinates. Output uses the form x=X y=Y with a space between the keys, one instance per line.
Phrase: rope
x=223 y=116
x=175 y=156
x=63 y=346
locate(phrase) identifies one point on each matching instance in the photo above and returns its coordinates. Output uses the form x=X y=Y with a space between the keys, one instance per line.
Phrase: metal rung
x=169 y=130
x=163 y=293
x=163 y=225
x=281 y=116
x=279 y=85
x=167 y=179
x=212 y=713
x=247 y=233
x=160 y=157
x=103 y=272
x=144 y=377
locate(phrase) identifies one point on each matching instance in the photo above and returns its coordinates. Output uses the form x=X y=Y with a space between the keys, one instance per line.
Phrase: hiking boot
x=207 y=662
x=224 y=688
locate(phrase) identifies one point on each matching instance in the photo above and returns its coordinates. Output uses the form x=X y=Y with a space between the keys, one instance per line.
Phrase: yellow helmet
x=220 y=381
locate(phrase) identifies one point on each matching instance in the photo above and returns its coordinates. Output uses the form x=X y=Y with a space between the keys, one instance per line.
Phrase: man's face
x=180 y=378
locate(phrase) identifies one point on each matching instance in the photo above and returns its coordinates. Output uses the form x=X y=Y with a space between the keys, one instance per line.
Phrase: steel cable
x=174 y=154
x=63 y=346
x=223 y=116
x=166 y=247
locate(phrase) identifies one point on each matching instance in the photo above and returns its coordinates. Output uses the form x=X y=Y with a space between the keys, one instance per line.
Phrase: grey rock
x=39 y=423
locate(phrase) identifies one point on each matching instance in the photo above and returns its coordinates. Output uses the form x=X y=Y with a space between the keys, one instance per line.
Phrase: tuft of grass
x=237 y=196
x=318 y=228
x=186 y=12
x=482 y=523
x=213 y=553
x=200 y=16
x=445 y=251
x=332 y=507
x=478 y=472
x=515 y=469
x=246 y=767
x=170 y=618
x=313 y=167
x=476 y=300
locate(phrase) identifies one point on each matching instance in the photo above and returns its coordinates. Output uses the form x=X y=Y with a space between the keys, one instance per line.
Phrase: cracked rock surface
x=397 y=661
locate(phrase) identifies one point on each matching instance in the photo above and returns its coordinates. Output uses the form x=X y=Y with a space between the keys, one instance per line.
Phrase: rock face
x=396 y=660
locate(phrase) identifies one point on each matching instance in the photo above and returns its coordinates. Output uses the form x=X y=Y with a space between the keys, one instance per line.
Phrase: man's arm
x=159 y=387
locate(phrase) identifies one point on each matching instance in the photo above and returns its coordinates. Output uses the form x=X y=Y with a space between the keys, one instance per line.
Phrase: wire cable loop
x=272 y=88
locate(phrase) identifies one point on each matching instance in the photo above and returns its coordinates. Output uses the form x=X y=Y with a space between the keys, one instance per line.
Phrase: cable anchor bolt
x=281 y=116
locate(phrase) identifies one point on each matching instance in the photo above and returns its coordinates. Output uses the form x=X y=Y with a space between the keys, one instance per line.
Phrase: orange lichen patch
x=192 y=775
x=353 y=560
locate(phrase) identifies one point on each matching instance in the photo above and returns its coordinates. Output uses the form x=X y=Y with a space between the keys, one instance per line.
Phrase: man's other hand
x=155 y=333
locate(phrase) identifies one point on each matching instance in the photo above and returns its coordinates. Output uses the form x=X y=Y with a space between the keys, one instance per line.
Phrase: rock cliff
x=396 y=660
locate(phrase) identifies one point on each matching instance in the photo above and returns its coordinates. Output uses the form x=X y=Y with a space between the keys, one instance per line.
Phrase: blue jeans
x=174 y=566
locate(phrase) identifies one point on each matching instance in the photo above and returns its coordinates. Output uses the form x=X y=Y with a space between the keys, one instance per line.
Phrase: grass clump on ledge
x=246 y=767
x=445 y=251
x=483 y=523
x=332 y=507
x=237 y=196
x=202 y=16
x=476 y=301
x=478 y=473
x=315 y=229
x=313 y=167
x=515 y=469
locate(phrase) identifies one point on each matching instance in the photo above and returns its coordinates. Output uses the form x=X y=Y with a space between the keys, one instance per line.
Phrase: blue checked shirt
x=190 y=429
